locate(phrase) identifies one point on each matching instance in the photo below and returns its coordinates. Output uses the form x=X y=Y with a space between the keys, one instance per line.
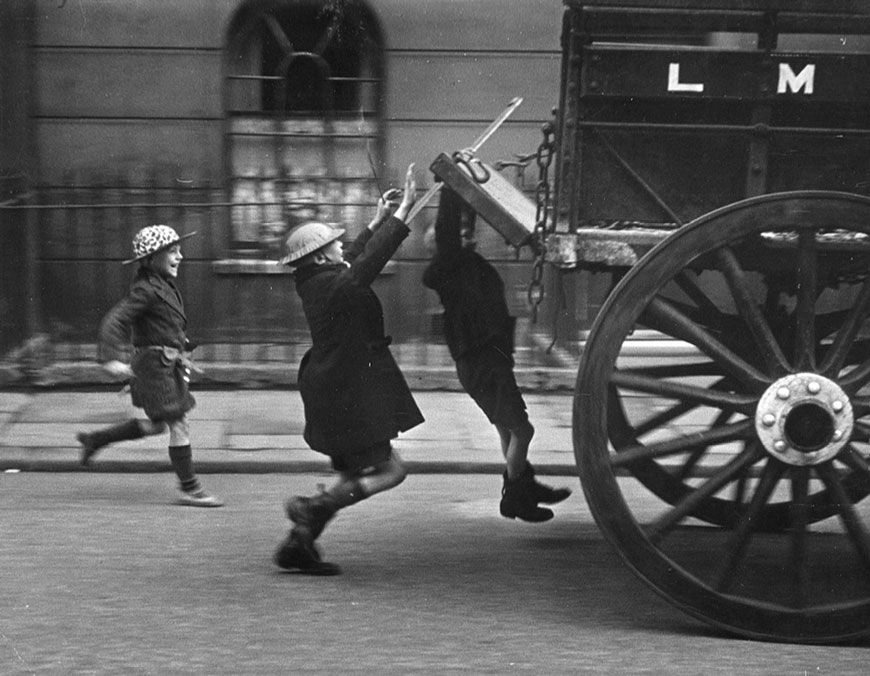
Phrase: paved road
x=103 y=575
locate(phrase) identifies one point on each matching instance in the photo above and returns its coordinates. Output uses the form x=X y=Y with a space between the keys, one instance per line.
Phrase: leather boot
x=93 y=441
x=544 y=493
x=311 y=514
x=518 y=500
x=295 y=554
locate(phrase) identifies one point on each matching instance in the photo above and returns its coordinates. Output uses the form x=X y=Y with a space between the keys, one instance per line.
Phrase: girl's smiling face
x=165 y=263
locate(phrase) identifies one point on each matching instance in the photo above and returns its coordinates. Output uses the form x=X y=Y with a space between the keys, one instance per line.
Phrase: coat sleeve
x=448 y=222
x=116 y=326
x=357 y=246
x=377 y=250
x=448 y=241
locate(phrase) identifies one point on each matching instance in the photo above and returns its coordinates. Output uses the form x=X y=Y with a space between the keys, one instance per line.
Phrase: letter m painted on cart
x=788 y=81
x=674 y=84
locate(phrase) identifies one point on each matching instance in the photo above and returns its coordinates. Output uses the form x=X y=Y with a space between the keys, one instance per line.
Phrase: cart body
x=714 y=158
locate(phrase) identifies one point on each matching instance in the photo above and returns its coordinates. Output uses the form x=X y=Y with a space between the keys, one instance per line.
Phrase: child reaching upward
x=355 y=397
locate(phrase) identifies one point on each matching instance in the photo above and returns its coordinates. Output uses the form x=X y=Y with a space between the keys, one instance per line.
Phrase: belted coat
x=352 y=390
x=151 y=317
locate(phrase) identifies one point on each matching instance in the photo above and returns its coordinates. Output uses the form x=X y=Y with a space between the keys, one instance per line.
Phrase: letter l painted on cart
x=674 y=84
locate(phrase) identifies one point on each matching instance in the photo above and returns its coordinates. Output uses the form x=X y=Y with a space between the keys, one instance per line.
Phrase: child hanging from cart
x=152 y=314
x=479 y=332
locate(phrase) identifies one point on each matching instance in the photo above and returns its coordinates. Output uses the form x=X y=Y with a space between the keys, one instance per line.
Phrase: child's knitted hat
x=153 y=238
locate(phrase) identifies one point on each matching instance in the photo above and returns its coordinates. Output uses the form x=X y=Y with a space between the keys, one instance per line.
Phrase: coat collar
x=166 y=291
x=309 y=271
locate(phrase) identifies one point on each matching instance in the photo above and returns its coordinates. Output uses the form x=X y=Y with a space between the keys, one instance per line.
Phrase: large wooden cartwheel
x=732 y=480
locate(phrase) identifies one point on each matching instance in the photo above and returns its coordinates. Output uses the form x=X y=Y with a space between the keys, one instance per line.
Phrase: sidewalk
x=257 y=431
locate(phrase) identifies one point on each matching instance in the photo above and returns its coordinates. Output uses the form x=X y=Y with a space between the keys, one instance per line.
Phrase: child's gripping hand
x=118 y=369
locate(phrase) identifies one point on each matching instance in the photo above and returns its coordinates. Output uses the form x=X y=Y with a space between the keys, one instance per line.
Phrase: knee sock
x=182 y=462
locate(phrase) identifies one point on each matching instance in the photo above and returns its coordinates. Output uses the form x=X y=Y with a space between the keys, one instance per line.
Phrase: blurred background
x=239 y=119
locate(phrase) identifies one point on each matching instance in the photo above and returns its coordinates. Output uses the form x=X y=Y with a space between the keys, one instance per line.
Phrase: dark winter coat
x=352 y=389
x=470 y=288
x=152 y=318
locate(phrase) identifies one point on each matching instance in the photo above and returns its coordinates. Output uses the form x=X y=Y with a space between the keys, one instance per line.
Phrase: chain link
x=544 y=159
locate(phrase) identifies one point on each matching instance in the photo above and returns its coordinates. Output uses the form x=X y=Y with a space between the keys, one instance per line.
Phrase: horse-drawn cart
x=714 y=157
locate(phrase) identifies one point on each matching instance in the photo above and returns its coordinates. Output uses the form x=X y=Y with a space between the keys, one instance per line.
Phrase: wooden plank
x=502 y=206
x=129 y=83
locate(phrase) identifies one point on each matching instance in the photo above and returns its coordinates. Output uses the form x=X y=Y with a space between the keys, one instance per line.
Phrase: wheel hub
x=804 y=419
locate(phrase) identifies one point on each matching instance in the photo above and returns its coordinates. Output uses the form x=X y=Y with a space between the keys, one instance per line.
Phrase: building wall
x=128 y=98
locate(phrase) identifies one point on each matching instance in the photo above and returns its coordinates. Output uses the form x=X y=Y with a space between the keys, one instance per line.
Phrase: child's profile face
x=165 y=263
x=334 y=251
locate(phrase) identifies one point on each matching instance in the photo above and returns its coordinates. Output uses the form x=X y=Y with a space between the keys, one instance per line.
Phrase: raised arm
x=371 y=251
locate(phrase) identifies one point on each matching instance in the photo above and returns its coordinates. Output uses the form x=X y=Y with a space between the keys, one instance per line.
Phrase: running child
x=152 y=317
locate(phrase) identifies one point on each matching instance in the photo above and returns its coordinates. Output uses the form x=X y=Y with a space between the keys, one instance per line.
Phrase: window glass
x=303 y=108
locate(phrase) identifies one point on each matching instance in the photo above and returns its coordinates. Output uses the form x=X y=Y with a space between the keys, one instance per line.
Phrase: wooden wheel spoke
x=691 y=462
x=663 y=316
x=663 y=418
x=805 y=312
x=692 y=370
x=743 y=429
x=836 y=356
x=682 y=509
x=741 y=291
x=861 y=408
x=854 y=460
x=636 y=382
x=696 y=455
x=738 y=543
x=855 y=379
x=739 y=494
x=689 y=285
x=848 y=515
x=799 y=509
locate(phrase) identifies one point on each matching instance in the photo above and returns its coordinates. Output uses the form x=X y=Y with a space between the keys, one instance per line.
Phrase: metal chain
x=544 y=159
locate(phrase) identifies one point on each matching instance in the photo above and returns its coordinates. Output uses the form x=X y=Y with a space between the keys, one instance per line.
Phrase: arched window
x=303 y=103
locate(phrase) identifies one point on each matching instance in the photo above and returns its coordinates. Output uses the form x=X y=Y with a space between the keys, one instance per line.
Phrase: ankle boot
x=93 y=441
x=544 y=493
x=295 y=554
x=518 y=500
x=311 y=514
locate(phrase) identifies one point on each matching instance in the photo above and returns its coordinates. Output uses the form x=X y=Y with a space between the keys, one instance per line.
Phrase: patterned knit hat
x=153 y=238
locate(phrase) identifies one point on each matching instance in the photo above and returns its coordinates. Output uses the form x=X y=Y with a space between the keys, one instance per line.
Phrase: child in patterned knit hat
x=153 y=313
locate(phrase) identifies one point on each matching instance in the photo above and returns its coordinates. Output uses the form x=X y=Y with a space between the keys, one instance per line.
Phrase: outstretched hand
x=409 y=195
